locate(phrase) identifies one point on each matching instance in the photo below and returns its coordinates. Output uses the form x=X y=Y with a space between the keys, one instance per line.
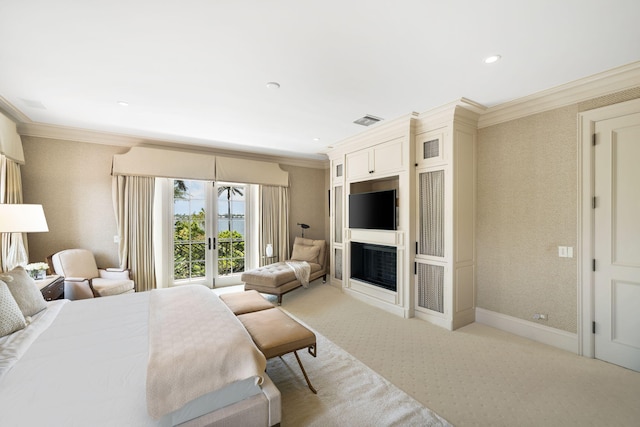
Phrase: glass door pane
x=189 y=230
x=231 y=232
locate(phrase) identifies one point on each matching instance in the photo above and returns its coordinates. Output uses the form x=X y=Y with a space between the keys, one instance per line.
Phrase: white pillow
x=11 y=318
x=24 y=291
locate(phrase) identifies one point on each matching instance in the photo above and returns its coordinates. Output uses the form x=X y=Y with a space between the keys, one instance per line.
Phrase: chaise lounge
x=279 y=278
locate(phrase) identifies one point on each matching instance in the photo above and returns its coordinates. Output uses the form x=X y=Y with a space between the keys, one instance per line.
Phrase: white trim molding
x=544 y=334
x=601 y=84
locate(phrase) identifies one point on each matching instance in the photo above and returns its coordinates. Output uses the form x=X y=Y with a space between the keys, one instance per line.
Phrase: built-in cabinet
x=336 y=212
x=377 y=160
x=445 y=177
x=429 y=159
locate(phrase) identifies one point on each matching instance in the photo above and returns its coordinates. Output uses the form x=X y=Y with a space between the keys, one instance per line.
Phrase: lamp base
x=17 y=255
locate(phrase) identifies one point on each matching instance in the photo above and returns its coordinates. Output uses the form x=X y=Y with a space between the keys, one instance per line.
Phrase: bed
x=89 y=362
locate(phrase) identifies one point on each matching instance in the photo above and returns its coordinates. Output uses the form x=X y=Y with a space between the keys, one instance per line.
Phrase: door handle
x=214 y=243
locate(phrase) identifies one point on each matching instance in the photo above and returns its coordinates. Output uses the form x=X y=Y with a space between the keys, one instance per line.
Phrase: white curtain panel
x=133 y=204
x=10 y=192
x=274 y=221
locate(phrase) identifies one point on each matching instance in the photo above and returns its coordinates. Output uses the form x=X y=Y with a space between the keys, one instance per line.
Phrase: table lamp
x=17 y=219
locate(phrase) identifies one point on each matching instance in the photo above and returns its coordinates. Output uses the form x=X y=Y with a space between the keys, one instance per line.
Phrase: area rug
x=349 y=392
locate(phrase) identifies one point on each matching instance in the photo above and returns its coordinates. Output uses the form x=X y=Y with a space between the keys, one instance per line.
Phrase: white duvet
x=84 y=365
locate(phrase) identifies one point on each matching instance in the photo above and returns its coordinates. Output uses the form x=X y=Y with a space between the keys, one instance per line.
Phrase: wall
x=527 y=207
x=309 y=202
x=72 y=180
x=73 y=183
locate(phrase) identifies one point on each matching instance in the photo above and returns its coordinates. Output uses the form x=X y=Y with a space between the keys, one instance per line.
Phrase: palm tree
x=179 y=189
x=231 y=242
x=230 y=190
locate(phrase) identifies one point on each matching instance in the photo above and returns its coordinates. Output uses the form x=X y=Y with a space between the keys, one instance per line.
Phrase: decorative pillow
x=11 y=318
x=24 y=291
x=305 y=253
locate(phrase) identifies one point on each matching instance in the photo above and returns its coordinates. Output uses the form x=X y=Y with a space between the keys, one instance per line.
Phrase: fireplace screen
x=374 y=264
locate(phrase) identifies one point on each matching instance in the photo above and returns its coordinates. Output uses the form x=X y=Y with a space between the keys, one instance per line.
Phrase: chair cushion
x=75 y=263
x=106 y=287
x=245 y=302
x=275 y=333
x=274 y=275
x=305 y=253
x=320 y=244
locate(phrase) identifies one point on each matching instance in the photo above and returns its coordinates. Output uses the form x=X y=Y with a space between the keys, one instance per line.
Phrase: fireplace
x=374 y=264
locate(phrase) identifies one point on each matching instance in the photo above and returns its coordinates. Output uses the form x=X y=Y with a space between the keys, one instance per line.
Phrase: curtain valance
x=10 y=142
x=167 y=163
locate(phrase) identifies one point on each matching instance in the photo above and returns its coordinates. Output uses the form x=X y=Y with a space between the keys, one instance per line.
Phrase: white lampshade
x=19 y=219
x=22 y=219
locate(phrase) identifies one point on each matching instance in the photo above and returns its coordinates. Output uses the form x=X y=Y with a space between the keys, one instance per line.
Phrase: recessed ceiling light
x=123 y=103
x=273 y=85
x=491 y=59
x=316 y=139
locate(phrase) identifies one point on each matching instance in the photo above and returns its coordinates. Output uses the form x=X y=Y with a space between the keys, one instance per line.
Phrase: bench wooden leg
x=304 y=372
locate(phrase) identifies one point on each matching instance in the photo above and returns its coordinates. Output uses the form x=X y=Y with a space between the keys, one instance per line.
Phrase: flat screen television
x=373 y=210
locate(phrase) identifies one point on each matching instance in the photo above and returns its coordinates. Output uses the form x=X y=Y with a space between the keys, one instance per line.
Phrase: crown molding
x=601 y=84
x=64 y=133
x=12 y=112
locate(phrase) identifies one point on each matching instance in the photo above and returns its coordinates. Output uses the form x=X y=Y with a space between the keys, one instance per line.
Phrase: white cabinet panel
x=377 y=160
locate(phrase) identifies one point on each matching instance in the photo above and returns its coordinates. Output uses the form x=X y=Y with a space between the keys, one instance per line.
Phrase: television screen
x=374 y=210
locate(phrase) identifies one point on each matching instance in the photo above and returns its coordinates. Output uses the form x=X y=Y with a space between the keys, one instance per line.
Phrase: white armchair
x=83 y=279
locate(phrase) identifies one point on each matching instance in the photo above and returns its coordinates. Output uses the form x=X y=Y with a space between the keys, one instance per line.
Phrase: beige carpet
x=477 y=375
x=349 y=393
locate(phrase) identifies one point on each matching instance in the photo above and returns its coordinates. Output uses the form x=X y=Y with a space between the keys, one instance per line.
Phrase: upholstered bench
x=278 y=278
x=274 y=332
x=245 y=302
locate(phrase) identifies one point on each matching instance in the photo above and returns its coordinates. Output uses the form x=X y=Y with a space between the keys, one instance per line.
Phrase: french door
x=209 y=232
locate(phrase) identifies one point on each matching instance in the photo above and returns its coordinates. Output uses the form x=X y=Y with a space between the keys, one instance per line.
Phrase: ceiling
x=196 y=71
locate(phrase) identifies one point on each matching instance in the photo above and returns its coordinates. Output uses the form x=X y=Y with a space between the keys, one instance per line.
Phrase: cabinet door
x=358 y=164
x=388 y=157
x=429 y=148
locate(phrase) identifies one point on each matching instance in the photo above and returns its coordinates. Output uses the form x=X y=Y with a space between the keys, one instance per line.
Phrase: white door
x=617 y=241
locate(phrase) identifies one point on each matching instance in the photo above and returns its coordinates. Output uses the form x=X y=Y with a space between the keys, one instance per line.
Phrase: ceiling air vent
x=367 y=120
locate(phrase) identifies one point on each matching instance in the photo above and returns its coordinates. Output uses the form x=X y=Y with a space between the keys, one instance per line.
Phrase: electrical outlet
x=562 y=251
x=116 y=239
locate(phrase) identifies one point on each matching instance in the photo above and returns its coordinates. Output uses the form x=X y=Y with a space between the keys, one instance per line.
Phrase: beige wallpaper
x=309 y=202
x=527 y=207
x=72 y=181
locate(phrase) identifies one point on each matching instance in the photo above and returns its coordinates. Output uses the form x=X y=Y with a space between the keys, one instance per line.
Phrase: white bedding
x=87 y=368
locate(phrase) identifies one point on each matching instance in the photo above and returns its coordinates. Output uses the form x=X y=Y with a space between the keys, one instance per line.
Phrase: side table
x=52 y=287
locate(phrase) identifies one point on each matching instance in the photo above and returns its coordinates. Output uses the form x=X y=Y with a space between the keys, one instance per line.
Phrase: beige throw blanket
x=196 y=345
x=302 y=270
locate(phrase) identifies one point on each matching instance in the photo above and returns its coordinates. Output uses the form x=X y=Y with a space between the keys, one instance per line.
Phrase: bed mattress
x=84 y=363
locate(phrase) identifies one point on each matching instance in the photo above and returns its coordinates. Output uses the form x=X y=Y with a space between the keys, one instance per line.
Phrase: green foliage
x=190 y=249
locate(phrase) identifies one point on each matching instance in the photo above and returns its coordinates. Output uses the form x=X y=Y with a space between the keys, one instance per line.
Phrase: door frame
x=586 y=217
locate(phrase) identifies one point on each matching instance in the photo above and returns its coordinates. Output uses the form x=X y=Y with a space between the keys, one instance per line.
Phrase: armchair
x=83 y=279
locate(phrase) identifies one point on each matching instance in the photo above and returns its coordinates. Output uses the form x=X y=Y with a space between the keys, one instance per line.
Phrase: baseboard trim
x=540 y=333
